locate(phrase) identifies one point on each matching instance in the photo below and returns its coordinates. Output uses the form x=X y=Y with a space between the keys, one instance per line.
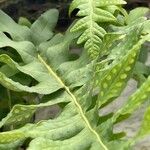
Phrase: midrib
x=51 y=72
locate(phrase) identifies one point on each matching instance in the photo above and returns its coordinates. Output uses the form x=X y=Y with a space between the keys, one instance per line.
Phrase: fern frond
x=93 y=13
x=135 y=100
x=39 y=62
x=119 y=72
x=71 y=82
x=137 y=17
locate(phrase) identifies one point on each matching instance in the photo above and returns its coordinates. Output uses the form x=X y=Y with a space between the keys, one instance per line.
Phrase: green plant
x=38 y=70
x=96 y=15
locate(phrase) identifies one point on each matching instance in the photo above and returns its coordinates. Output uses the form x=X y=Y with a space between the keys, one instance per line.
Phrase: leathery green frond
x=80 y=85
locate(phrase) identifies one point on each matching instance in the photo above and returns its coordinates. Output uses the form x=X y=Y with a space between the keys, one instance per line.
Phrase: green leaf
x=42 y=28
x=33 y=61
x=146 y=27
x=70 y=83
x=93 y=12
x=115 y=76
x=50 y=67
x=145 y=128
x=16 y=31
x=136 y=18
x=30 y=69
x=135 y=100
x=136 y=14
x=22 y=113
